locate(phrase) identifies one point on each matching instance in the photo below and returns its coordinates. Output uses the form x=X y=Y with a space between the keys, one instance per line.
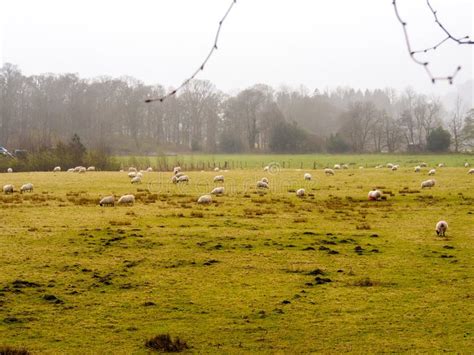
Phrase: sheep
x=149 y=169
x=57 y=169
x=140 y=174
x=471 y=171
x=441 y=165
x=183 y=178
x=132 y=174
x=417 y=169
x=428 y=183
x=107 y=201
x=337 y=166
x=8 y=189
x=71 y=170
x=262 y=185
x=374 y=195
x=441 y=228
x=300 y=192
x=307 y=177
x=179 y=174
x=9 y=170
x=217 y=191
x=176 y=169
x=361 y=167
x=329 y=171
x=126 y=199
x=205 y=199
x=394 y=168
x=432 y=172
x=423 y=165
x=136 y=180
x=82 y=170
x=466 y=165
x=91 y=168
x=216 y=169
x=345 y=166
x=264 y=179
x=132 y=169
x=219 y=178
x=266 y=168
x=26 y=188
x=390 y=165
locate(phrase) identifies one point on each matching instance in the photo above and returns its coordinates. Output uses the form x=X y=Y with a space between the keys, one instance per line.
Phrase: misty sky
x=320 y=44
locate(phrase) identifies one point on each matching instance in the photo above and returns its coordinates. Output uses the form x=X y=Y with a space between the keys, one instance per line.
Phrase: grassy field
x=252 y=272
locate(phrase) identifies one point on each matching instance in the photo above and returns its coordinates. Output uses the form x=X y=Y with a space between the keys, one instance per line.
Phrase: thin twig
x=201 y=67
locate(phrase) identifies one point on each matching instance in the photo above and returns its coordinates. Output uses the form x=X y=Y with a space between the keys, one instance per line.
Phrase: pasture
x=255 y=271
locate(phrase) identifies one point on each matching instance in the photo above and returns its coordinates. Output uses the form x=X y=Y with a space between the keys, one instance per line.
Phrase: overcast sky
x=319 y=44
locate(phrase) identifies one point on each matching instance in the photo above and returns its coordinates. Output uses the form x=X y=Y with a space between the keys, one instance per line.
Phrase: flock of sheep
x=179 y=177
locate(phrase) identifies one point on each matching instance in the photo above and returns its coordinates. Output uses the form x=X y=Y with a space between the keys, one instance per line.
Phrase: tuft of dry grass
x=165 y=343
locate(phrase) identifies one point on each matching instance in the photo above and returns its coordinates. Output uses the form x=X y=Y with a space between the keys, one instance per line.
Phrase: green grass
x=235 y=276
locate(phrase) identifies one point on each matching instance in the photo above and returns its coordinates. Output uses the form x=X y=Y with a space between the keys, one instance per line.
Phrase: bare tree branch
x=201 y=67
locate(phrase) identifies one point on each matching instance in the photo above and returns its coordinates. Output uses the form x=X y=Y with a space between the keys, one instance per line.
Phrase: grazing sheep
x=205 y=199
x=71 y=170
x=176 y=169
x=441 y=228
x=26 y=188
x=471 y=172
x=441 y=165
x=417 y=169
x=132 y=174
x=218 y=191
x=136 y=180
x=140 y=174
x=308 y=176
x=91 y=168
x=395 y=168
x=149 y=169
x=174 y=179
x=265 y=180
x=82 y=170
x=266 y=168
x=432 y=172
x=374 y=195
x=329 y=171
x=262 y=185
x=390 y=165
x=57 y=169
x=300 y=192
x=345 y=166
x=126 y=200
x=466 y=165
x=8 y=189
x=183 y=178
x=219 y=178
x=9 y=170
x=132 y=169
x=337 y=166
x=423 y=165
x=179 y=174
x=428 y=183
x=107 y=201
x=216 y=169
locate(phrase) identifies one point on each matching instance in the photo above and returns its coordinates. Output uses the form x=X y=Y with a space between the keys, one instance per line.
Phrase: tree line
x=40 y=112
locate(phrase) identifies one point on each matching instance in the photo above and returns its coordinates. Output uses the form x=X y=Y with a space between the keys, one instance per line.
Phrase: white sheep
x=71 y=170
x=345 y=166
x=136 y=180
x=183 y=178
x=423 y=165
x=140 y=174
x=300 y=192
x=262 y=184
x=216 y=169
x=441 y=228
x=132 y=169
x=337 y=166
x=26 y=188
x=266 y=168
x=176 y=169
x=217 y=191
x=307 y=177
x=8 y=189
x=329 y=171
x=219 y=178
x=432 y=172
x=441 y=165
x=395 y=168
x=126 y=200
x=374 y=195
x=132 y=174
x=9 y=170
x=107 y=201
x=149 y=169
x=466 y=165
x=390 y=165
x=57 y=169
x=205 y=199
x=428 y=183
x=417 y=169
x=265 y=180
x=179 y=174
x=91 y=168
x=82 y=170
x=471 y=171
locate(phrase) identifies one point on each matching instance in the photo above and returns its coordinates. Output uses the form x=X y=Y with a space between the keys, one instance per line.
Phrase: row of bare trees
x=39 y=111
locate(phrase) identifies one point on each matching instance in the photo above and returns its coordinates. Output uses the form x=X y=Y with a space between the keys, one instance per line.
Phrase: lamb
x=136 y=180
x=126 y=200
x=262 y=184
x=417 y=169
x=219 y=178
x=300 y=192
x=205 y=199
x=217 y=191
x=308 y=176
x=337 y=166
x=107 y=201
x=8 y=189
x=432 y=172
x=9 y=170
x=374 y=195
x=265 y=180
x=441 y=228
x=428 y=183
x=26 y=188
x=91 y=168
x=329 y=171
x=471 y=171
x=57 y=169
